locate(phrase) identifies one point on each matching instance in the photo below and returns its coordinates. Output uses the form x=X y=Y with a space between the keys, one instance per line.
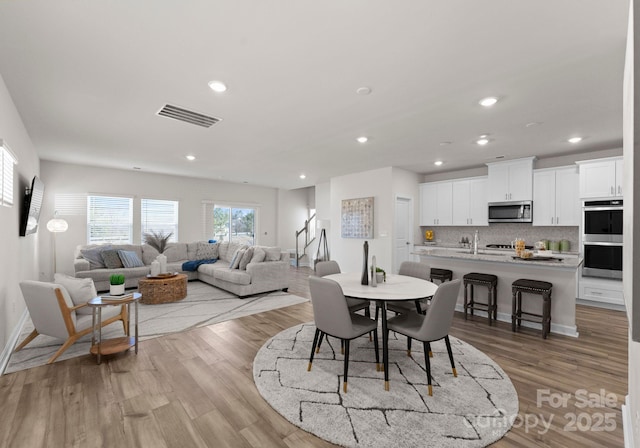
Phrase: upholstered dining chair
x=324 y=268
x=332 y=317
x=431 y=327
x=53 y=314
x=411 y=269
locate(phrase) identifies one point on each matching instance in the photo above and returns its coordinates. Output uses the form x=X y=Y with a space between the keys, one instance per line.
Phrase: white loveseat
x=269 y=275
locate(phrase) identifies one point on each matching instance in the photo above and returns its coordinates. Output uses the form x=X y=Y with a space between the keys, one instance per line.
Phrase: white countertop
x=559 y=261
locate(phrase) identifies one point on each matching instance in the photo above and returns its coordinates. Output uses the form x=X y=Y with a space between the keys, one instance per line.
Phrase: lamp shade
x=57 y=225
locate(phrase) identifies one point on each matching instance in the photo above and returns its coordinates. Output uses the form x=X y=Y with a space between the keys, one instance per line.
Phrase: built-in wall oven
x=602 y=238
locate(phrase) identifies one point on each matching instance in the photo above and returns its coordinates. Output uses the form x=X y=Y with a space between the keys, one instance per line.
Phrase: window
x=159 y=216
x=7 y=160
x=236 y=224
x=109 y=220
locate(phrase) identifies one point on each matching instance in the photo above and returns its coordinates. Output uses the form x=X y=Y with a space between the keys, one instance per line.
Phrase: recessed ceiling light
x=533 y=123
x=362 y=139
x=445 y=143
x=483 y=140
x=190 y=157
x=575 y=139
x=217 y=86
x=363 y=90
x=437 y=162
x=303 y=176
x=488 y=101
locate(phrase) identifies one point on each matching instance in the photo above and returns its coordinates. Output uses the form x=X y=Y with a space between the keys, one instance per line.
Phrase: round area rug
x=473 y=409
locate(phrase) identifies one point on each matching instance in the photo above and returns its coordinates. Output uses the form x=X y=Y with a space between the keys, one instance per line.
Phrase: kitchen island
x=561 y=271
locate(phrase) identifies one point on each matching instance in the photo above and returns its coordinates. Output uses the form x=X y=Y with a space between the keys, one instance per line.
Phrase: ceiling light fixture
x=437 y=162
x=362 y=139
x=445 y=143
x=483 y=140
x=488 y=101
x=363 y=90
x=575 y=139
x=217 y=86
x=533 y=123
x=303 y=176
x=190 y=157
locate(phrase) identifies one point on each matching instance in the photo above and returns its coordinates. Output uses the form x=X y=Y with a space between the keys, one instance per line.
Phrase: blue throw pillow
x=213 y=241
x=130 y=259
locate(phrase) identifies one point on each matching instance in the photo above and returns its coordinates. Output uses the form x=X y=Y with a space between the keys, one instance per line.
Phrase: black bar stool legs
x=531 y=287
x=489 y=281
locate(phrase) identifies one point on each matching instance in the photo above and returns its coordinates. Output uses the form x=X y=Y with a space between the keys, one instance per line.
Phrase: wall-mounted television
x=32 y=205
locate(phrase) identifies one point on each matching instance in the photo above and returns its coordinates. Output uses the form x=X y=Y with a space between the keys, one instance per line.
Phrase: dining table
x=395 y=288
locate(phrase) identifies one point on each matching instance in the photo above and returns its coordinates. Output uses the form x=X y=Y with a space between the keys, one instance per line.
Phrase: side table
x=163 y=289
x=113 y=345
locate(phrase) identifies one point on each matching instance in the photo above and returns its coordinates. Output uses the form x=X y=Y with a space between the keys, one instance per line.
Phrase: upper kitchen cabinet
x=470 y=202
x=601 y=178
x=435 y=204
x=511 y=180
x=555 y=197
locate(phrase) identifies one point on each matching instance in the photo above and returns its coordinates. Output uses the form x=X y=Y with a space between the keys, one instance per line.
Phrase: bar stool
x=531 y=287
x=440 y=274
x=491 y=282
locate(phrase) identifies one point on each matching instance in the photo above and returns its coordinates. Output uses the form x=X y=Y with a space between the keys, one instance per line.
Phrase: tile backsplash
x=504 y=233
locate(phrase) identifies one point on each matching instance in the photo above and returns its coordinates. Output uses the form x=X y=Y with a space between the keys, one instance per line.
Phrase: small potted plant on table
x=381 y=276
x=116 y=284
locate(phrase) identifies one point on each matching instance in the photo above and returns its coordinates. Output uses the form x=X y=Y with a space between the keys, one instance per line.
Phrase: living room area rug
x=474 y=409
x=204 y=305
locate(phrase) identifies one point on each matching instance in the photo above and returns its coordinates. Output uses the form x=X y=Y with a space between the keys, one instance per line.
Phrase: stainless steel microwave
x=516 y=211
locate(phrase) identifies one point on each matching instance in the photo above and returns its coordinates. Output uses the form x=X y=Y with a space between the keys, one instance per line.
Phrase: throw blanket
x=192 y=265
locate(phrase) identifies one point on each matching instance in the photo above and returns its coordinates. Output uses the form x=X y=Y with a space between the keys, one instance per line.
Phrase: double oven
x=602 y=238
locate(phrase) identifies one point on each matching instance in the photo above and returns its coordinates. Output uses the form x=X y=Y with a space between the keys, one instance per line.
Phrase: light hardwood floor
x=195 y=389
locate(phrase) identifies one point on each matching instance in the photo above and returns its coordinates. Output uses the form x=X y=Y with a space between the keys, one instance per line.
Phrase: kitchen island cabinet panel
x=562 y=274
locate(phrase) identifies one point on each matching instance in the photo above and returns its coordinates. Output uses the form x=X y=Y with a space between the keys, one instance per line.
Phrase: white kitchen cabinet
x=469 y=205
x=511 y=180
x=555 y=197
x=601 y=178
x=435 y=203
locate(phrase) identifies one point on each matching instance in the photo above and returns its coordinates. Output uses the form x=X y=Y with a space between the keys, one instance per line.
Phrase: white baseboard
x=11 y=343
x=564 y=330
x=627 y=424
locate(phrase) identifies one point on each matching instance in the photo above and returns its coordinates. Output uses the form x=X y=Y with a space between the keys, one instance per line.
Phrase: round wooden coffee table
x=163 y=289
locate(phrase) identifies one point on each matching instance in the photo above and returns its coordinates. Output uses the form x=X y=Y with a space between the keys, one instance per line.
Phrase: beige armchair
x=53 y=314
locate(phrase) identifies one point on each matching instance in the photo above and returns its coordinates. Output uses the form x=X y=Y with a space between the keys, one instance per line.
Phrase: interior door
x=403 y=232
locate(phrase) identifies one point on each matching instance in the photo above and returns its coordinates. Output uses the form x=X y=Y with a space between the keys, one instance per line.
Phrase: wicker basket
x=163 y=290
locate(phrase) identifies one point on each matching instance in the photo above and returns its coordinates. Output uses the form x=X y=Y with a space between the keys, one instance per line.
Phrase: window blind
x=6 y=183
x=109 y=220
x=159 y=216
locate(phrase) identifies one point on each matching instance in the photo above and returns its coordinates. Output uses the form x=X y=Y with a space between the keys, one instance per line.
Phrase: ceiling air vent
x=188 y=116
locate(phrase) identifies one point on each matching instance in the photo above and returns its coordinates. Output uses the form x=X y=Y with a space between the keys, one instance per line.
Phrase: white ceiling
x=89 y=76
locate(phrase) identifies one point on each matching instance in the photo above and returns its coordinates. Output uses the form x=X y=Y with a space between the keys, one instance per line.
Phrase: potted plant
x=116 y=284
x=381 y=276
x=158 y=240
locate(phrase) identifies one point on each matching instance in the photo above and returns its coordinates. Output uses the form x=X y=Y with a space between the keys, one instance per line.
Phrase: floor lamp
x=56 y=225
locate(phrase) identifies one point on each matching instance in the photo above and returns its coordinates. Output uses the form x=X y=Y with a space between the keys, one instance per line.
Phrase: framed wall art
x=357 y=218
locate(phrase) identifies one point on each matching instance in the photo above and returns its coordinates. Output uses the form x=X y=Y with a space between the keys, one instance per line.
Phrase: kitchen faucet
x=475 y=242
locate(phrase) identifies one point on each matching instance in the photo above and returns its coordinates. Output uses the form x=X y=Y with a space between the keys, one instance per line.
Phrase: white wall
x=631 y=287
x=406 y=185
x=61 y=178
x=20 y=254
x=347 y=251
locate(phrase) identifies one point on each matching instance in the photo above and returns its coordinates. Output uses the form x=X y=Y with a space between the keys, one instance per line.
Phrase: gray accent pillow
x=235 y=261
x=246 y=259
x=206 y=251
x=111 y=259
x=273 y=253
x=81 y=290
x=94 y=256
x=130 y=259
x=258 y=255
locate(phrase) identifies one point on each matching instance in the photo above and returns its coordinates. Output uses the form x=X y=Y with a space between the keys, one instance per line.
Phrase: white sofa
x=258 y=277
